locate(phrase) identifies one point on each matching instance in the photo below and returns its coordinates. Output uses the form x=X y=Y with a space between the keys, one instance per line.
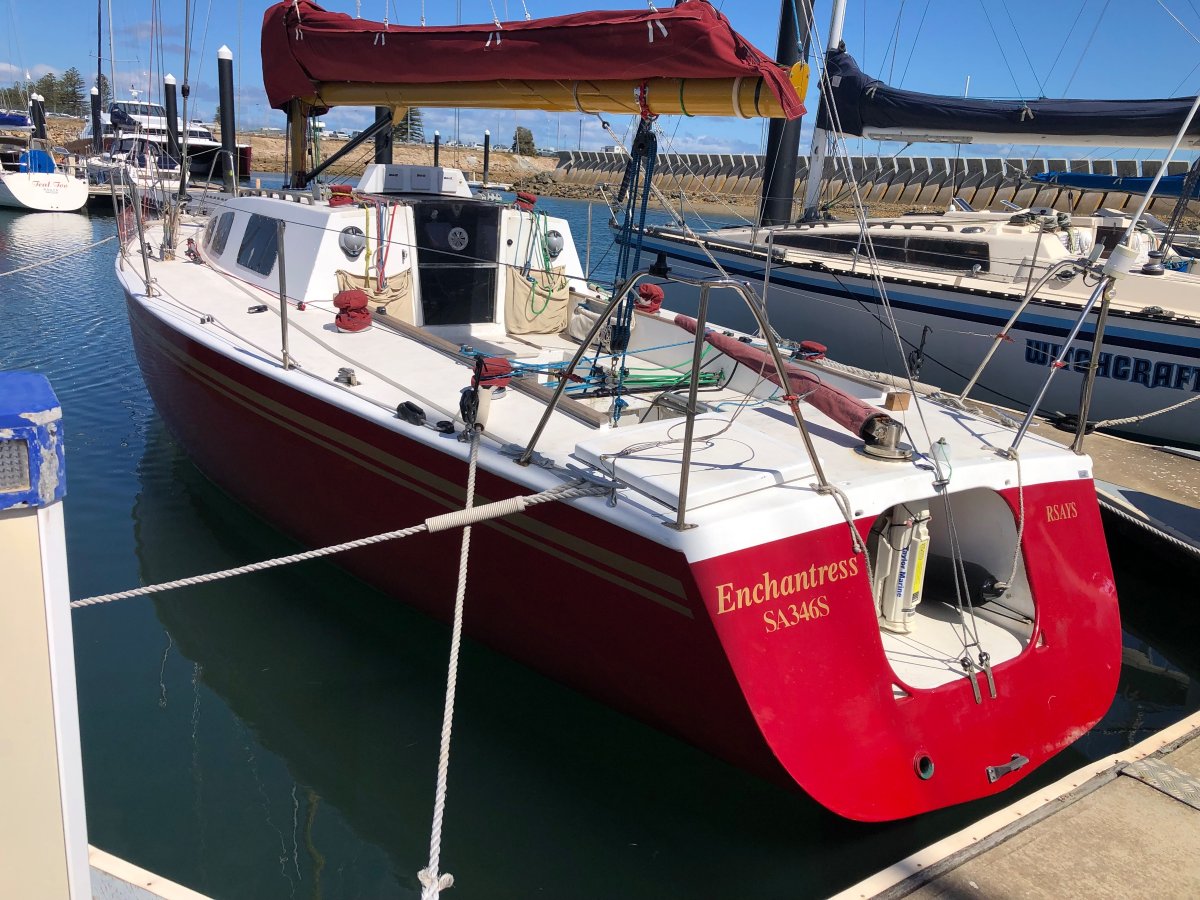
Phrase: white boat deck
x=752 y=480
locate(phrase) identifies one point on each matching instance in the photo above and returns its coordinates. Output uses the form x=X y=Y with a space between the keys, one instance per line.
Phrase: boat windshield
x=134 y=108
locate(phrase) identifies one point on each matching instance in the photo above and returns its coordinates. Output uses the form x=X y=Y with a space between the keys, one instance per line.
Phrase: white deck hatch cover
x=728 y=459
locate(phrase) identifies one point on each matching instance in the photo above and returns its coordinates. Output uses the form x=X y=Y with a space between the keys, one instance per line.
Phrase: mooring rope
x=1116 y=510
x=54 y=259
x=456 y=519
x=1133 y=420
x=432 y=883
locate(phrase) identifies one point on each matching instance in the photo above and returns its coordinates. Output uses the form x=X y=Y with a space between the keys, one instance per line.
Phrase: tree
x=13 y=97
x=523 y=142
x=105 y=91
x=48 y=87
x=70 y=91
x=410 y=129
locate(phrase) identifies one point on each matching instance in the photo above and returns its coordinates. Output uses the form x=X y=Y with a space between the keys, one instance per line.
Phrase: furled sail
x=866 y=107
x=14 y=121
x=685 y=59
x=1168 y=185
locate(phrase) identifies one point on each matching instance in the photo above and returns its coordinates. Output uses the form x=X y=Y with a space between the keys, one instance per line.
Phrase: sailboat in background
x=956 y=279
x=31 y=178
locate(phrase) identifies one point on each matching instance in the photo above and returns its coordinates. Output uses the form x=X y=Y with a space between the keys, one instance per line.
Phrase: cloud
x=10 y=73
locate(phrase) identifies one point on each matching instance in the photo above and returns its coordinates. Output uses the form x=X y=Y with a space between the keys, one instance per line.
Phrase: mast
x=783 y=135
x=820 y=141
x=99 y=42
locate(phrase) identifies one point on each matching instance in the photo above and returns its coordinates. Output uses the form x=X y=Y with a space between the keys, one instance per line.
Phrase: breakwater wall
x=908 y=181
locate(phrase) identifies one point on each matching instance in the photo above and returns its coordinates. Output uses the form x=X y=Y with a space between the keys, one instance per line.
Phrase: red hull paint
x=641 y=630
x=822 y=689
x=628 y=628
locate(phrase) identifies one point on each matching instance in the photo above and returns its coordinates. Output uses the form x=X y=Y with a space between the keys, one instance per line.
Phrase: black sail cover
x=864 y=103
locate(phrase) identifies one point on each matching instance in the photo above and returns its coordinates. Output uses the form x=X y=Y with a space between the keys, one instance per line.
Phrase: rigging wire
x=1020 y=43
x=913 y=47
x=1067 y=39
x=1000 y=47
x=1086 y=47
x=1178 y=21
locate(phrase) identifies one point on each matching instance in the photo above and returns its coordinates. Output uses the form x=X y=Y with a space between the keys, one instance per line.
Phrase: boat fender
x=354 y=315
x=810 y=350
x=525 y=200
x=340 y=195
x=649 y=298
x=411 y=413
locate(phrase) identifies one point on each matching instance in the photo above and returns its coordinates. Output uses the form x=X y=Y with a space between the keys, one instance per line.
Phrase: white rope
x=1012 y=576
x=1132 y=420
x=1111 y=507
x=434 y=523
x=46 y=262
x=432 y=883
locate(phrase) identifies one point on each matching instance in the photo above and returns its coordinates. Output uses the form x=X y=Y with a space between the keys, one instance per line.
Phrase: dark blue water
x=276 y=736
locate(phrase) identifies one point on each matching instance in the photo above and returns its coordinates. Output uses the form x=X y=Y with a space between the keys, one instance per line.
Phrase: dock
x=1125 y=826
x=1149 y=495
x=102 y=193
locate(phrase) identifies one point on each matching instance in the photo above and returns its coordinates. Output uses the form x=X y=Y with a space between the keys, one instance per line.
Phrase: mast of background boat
x=820 y=141
x=185 y=90
x=783 y=135
x=97 y=128
x=112 y=55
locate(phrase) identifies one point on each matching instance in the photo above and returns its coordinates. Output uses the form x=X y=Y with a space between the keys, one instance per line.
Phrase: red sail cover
x=303 y=46
x=849 y=412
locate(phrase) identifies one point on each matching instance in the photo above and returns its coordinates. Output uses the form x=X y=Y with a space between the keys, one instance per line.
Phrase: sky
x=1011 y=48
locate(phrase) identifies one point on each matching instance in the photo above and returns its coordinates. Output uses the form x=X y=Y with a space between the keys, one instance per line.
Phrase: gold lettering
x=1056 y=512
x=731 y=597
x=743 y=598
x=724 y=594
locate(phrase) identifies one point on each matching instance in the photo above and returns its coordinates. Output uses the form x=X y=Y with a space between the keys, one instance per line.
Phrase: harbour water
x=276 y=736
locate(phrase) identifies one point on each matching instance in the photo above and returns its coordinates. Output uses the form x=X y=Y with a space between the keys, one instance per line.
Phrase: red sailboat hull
x=794 y=687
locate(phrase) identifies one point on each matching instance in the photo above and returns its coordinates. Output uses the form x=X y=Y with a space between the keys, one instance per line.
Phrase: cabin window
x=939 y=253
x=260 y=245
x=217 y=233
x=887 y=249
x=944 y=253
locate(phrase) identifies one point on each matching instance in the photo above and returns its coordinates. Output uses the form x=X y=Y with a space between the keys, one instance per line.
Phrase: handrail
x=706 y=285
x=1012 y=320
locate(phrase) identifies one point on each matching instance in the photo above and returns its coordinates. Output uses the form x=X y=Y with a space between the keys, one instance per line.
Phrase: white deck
x=752 y=484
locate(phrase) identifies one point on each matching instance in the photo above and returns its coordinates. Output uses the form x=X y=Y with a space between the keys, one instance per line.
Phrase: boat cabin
x=425 y=251
x=993 y=246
